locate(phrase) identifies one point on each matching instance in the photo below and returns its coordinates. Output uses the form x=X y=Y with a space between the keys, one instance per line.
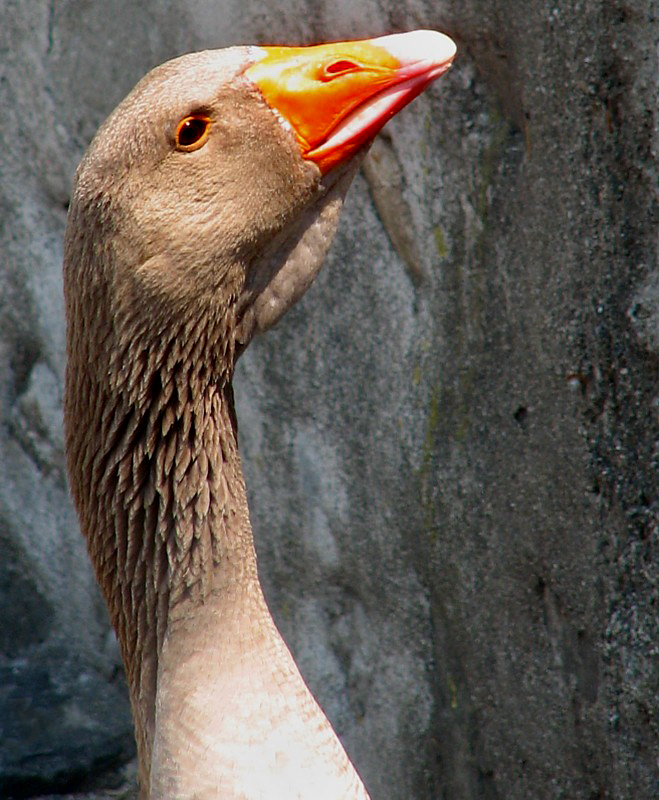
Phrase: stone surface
x=450 y=443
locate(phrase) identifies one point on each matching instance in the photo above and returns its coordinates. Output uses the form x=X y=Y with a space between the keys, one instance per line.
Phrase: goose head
x=217 y=183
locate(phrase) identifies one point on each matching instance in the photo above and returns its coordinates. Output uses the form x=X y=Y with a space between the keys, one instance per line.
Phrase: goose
x=200 y=213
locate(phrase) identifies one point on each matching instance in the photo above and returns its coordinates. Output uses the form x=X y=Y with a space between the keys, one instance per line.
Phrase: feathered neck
x=155 y=469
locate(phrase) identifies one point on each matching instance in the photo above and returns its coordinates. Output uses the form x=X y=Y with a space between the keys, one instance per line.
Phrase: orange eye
x=192 y=132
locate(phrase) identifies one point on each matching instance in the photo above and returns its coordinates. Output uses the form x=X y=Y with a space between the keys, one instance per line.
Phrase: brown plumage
x=174 y=258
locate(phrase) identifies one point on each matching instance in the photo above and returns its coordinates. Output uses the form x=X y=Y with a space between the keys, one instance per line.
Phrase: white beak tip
x=415 y=46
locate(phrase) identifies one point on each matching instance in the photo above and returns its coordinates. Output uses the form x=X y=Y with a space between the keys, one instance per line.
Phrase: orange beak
x=336 y=97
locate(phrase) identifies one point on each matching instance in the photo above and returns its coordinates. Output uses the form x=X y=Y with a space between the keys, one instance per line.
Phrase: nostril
x=340 y=67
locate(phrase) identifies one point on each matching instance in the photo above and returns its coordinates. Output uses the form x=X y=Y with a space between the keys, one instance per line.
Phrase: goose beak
x=336 y=97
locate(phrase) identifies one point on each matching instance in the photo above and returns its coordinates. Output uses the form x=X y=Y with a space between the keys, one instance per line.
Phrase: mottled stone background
x=450 y=443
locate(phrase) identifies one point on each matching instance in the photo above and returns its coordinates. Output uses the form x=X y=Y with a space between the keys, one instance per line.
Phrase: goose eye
x=339 y=67
x=192 y=132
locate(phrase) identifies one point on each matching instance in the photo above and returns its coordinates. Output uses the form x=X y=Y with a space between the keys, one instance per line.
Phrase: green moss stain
x=440 y=242
x=431 y=430
x=448 y=416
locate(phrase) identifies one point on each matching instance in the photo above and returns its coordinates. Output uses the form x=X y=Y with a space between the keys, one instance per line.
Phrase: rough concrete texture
x=450 y=443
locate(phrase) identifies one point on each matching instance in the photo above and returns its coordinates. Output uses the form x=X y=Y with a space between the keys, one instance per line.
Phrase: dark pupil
x=191 y=131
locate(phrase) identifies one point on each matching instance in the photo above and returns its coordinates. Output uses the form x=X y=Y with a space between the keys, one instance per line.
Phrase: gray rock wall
x=449 y=442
